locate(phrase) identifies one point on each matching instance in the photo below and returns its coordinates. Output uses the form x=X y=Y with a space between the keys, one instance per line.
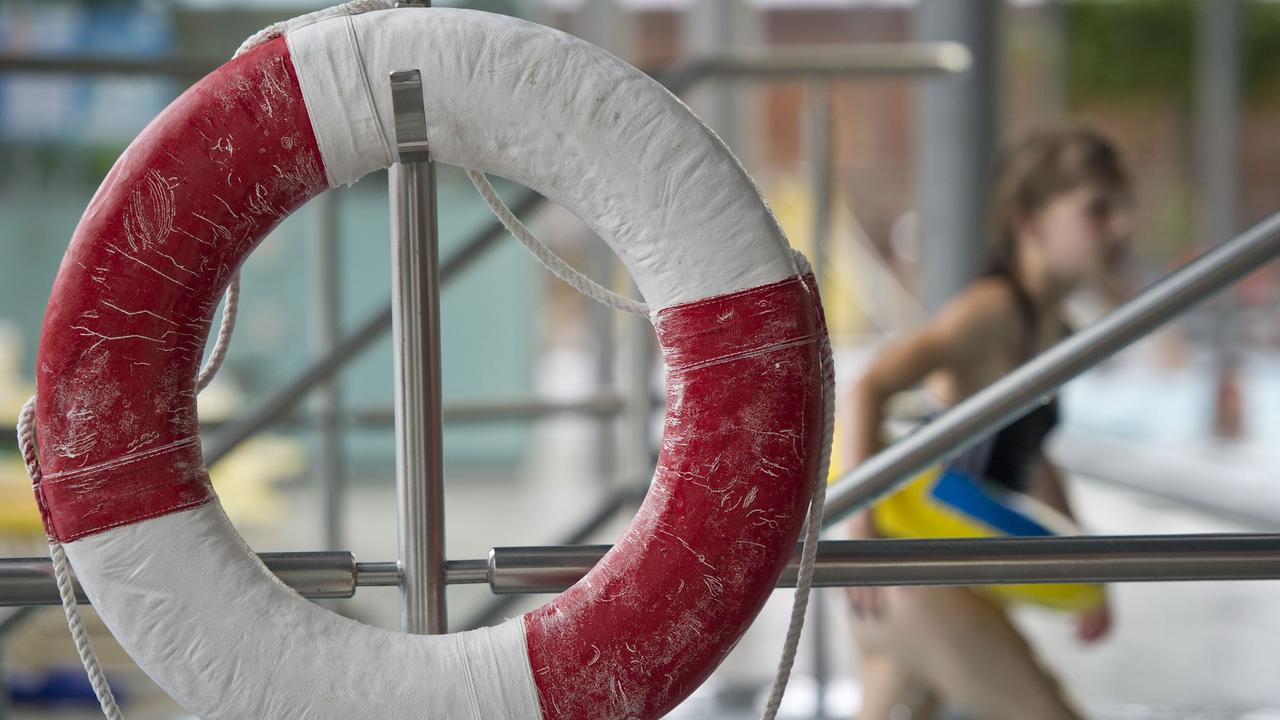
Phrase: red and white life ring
x=124 y=485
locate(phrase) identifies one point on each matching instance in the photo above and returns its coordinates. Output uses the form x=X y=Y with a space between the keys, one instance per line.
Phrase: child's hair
x=1043 y=166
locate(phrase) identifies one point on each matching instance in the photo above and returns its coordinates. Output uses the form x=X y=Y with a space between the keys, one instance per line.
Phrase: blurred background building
x=878 y=176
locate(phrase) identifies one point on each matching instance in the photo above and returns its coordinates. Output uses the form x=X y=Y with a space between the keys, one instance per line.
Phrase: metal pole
x=969 y=561
x=179 y=68
x=1052 y=29
x=10 y=619
x=29 y=581
x=416 y=335
x=821 y=631
x=605 y=25
x=604 y=326
x=327 y=302
x=636 y=467
x=715 y=28
x=920 y=59
x=617 y=501
x=1218 y=115
x=604 y=406
x=1218 y=153
x=867 y=59
x=822 y=167
x=956 y=140
x=1034 y=381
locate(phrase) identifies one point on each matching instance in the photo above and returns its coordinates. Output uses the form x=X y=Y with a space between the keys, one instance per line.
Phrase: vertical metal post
x=1053 y=31
x=822 y=166
x=327 y=301
x=956 y=143
x=819 y=626
x=9 y=620
x=635 y=467
x=1218 y=116
x=602 y=320
x=605 y=24
x=1217 y=94
x=416 y=336
x=714 y=28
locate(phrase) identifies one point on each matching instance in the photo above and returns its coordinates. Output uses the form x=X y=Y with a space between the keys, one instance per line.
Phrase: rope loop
x=546 y=256
x=62 y=576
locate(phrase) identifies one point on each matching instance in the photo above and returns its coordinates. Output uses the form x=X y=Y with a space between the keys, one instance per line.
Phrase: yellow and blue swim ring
x=943 y=502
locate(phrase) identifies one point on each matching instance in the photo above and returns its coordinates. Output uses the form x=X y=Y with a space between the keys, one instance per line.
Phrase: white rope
x=230 y=307
x=549 y=259
x=62 y=574
x=813 y=523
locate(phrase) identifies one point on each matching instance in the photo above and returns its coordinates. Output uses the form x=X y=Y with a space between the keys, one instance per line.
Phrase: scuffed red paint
x=739 y=455
x=137 y=290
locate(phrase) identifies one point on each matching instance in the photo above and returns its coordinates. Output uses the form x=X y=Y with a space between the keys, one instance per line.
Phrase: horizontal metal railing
x=479 y=411
x=29 y=581
x=970 y=561
x=514 y=570
x=183 y=68
x=861 y=59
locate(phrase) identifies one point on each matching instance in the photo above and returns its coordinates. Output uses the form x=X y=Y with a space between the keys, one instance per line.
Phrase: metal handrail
x=962 y=561
x=327 y=574
x=772 y=63
x=985 y=561
x=476 y=411
x=175 y=66
x=860 y=59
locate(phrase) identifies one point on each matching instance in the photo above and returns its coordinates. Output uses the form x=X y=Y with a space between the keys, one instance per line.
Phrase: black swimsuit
x=1008 y=457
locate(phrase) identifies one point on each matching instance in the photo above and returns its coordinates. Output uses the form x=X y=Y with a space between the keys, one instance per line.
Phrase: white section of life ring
x=556 y=114
x=254 y=649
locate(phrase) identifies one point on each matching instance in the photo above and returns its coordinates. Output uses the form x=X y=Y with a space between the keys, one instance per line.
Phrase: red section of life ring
x=136 y=293
x=663 y=608
x=133 y=304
